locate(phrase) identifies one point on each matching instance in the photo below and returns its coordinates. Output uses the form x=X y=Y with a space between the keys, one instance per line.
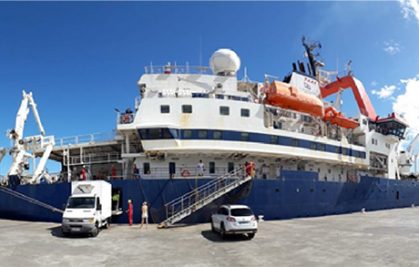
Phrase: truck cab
x=88 y=208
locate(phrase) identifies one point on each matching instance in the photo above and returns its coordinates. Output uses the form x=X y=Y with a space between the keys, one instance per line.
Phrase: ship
x=185 y=145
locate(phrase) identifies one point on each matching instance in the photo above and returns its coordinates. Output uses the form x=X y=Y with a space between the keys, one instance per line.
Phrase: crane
x=406 y=158
x=21 y=145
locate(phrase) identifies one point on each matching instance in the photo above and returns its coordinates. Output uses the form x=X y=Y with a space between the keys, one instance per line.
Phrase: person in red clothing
x=130 y=212
x=83 y=174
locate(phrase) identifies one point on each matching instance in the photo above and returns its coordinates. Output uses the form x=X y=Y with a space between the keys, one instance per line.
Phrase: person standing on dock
x=130 y=212
x=144 y=215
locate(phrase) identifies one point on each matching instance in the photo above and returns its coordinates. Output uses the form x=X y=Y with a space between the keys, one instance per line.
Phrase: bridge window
x=186 y=108
x=164 y=109
x=224 y=110
x=245 y=112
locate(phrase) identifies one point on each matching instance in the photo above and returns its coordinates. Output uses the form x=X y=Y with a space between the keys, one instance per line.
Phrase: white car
x=234 y=219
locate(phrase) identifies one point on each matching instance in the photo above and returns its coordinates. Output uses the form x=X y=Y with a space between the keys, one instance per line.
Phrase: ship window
x=294 y=142
x=219 y=96
x=224 y=110
x=187 y=134
x=164 y=109
x=186 y=108
x=211 y=167
x=321 y=147
x=244 y=136
x=166 y=134
x=217 y=135
x=230 y=166
x=154 y=134
x=202 y=134
x=274 y=139
x=344 y=151
x=146 y=168
x=245 y=112
x=313 y=146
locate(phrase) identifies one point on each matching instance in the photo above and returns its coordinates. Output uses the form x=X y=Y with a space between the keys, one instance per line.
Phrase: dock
x=379 y=238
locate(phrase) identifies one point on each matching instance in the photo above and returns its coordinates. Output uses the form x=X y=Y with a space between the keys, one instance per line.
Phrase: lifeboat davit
x=284 y=95
x=337 y=118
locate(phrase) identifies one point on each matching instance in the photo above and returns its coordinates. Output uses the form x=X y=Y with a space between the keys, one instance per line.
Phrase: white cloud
x=407 y=103
x=374 y=83
x=410 y=8
x=385 y=92
x=391 y=47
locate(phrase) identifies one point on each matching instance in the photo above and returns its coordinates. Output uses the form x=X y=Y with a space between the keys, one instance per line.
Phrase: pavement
x=380 y=238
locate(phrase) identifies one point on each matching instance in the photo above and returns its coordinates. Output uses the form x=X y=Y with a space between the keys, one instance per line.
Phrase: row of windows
x=196 y=134
x=172 y=167
x=224 y=110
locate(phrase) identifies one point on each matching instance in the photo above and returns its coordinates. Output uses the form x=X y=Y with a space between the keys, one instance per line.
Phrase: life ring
x=185 y=173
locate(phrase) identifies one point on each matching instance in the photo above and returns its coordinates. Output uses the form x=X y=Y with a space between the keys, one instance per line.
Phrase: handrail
x=235 y=172
x=177 y=69
x=86 y=138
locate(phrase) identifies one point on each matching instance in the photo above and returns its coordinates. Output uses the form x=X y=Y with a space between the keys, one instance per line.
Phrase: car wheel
x=250 y=236
x=64 y=233
x=222 y=231
x=107 y=223
x=212 y=227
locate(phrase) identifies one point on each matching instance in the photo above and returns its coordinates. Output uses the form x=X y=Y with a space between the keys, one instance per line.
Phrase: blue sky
x=82 y=60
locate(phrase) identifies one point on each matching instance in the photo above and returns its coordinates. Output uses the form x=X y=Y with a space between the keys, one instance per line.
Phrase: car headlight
x=65 y=220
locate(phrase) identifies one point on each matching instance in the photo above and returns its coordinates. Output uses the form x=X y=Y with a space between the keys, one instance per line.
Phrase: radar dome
x=225 y=62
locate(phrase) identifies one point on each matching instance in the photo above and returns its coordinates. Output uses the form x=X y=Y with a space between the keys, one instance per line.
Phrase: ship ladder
x=199 y=197
x=29 y=199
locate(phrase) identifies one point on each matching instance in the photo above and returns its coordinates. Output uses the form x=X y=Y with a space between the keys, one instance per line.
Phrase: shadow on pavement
x=57 y=232
x=215 y=237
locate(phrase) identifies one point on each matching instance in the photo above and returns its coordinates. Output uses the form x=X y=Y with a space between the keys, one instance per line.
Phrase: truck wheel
x=222 y=231
x=95 y=231
x=212 y=227
x=250 y=236
x=107 y=223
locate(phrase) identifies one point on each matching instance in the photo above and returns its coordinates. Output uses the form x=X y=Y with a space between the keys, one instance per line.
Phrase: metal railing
x=190 y=202
x=168 y=69
x=93 y=158
x=85 y=139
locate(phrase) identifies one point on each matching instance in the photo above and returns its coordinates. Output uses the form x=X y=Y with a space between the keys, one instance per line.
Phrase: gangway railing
x=185 y=205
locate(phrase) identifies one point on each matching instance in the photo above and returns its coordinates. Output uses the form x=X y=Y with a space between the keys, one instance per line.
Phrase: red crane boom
x=361 y=97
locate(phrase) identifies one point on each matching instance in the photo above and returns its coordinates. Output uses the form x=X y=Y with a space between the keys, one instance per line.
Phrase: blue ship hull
x=295 y=194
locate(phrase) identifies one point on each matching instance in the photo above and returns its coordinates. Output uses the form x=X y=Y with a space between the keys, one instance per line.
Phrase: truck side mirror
x=99 y=207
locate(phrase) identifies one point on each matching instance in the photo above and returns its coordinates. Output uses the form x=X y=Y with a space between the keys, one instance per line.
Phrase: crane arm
x=361 y=97
x=412 y=144
x=35 y=113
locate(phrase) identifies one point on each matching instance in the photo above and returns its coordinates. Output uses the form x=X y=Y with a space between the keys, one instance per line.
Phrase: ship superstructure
x=193 y=126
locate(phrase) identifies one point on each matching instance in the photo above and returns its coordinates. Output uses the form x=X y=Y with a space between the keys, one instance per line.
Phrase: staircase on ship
x=185 y=205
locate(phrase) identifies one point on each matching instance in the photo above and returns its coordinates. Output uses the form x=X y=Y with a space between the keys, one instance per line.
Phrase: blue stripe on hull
x=296 y=194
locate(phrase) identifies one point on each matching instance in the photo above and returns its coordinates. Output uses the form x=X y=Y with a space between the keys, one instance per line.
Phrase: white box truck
x=89 y=207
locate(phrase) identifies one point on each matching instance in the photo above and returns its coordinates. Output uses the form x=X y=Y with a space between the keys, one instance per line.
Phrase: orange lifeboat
x=336 y=117
x=286 y=96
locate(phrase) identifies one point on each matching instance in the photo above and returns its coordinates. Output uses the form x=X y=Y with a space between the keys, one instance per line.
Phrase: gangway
x=185 y=205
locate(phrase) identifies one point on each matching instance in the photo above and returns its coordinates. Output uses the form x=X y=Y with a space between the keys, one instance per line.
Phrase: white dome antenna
x=225 y=62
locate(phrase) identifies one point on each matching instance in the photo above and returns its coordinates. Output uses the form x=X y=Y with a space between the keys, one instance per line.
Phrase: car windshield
x=81 y=203
x=241 y=212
